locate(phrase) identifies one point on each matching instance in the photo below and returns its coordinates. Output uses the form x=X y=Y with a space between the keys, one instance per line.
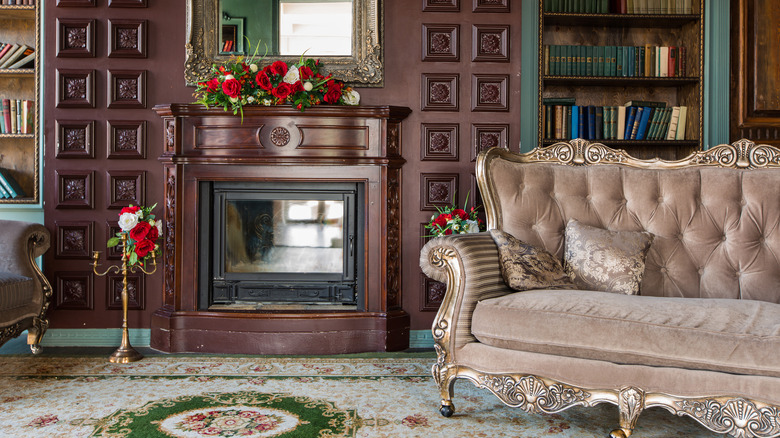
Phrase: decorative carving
x=170 y=135
x=169 y=257
x=280 y=136
x=393 y=138
x=127 y=88
x=74 y=138
x=75 y=88
x=126 y=3
x=11 y=332
x=125 y=190
x=491 y=43
x=437 y=190
x=135 y=292
x=440 y=141
x=127 y=38
x=74 y=290
x=489 y=93
x=441 y=42
x=364 y=66
x=75 y=3
x=738 y=417
x=126 y=138
x=115 y=252
x=74 y=239
x=441 y=5
x=488 y=135
x=532 y=394
x=491 y=6
x=125 y=187
x=433 y=294
x=440 y=255
x=76 y=38
x=74 y=189
x=631 y=402
x=393 y=238
x=440 y=92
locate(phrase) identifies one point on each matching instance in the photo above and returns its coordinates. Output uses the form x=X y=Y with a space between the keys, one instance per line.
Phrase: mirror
x=344 y=34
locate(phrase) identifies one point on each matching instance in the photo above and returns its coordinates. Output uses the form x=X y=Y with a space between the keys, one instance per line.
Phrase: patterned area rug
x=209 y=396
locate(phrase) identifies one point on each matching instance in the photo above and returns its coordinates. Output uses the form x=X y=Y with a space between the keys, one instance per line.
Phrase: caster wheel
x=618 y=433
x=447 y=410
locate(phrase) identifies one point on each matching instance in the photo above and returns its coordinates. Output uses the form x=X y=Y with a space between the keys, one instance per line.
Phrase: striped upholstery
x=15 y=290
x=476 y=254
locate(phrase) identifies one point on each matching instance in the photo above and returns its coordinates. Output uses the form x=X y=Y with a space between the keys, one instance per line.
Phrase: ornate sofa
x=24 y=291
x=701 y=339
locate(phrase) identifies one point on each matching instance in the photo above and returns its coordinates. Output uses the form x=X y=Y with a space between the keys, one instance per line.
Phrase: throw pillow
x=603 y=260
x=526 y=267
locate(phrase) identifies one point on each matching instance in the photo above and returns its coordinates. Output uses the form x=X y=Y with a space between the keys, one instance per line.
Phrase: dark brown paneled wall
x=456 y=63
x=755 y=61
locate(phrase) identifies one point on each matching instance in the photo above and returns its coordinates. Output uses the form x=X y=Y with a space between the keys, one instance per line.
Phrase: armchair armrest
x=469 y=265
x=20 y=244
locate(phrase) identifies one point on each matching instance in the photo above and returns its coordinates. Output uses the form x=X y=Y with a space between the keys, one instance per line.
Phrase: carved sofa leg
x=631 y=402
x=447 y=391
x=35 y=334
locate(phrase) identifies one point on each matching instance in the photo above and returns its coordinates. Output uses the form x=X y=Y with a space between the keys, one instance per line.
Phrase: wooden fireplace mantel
x=322 y=144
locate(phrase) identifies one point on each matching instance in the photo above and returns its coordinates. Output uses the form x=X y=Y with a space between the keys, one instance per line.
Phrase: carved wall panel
x=489 y=92
x=73 y=290
x=75 y=38
x=488 y=135
x=74 y=239
x=126 y=139
x=126 y=38
x=439 y=142
x=755 y=61
x=441 y=5
x=74 y=188
x=75 y=88
x=74 y=138
x=125 y=187
x=115 y=252
x=490 y=5
x=438 y=190
x=75 y=3
x=440 y=42
x=433 y=294
x=135 y=292
x=490 y=43
x=127 y=3
x=440 y=92
x=127 y=88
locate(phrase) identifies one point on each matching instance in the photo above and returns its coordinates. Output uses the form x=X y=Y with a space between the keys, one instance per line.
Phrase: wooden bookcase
x=611 y=29
x=19 y=153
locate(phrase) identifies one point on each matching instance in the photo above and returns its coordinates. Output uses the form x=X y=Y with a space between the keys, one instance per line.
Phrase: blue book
x=3 y=193
x=630 y=115
x=640 y=133
x=10 y=185
x=582 y=129
x=575 y=121
x=591 y=122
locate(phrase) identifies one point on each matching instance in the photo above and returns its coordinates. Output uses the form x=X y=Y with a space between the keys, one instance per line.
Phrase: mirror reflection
x=286 y=27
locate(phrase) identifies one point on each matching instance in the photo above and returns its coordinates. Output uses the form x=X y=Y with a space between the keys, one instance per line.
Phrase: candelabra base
x=125 y=354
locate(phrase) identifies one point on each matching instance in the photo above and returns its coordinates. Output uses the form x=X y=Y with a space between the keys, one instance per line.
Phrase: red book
x=6 y=47
x=681 y=62
x=672 y=62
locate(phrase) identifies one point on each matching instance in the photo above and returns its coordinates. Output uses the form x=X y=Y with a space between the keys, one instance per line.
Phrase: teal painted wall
x=258 y=24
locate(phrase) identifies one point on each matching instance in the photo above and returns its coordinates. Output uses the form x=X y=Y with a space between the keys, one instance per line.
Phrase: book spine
x=7 y=115
x=7 y=186
x=672 y=131
x=681 y=123
x=575 y=121
x=599 y=123
x=558 y=122
x=12 y=113
x=591 y=122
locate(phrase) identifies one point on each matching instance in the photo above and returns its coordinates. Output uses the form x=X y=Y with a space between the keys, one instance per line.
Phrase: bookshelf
x=19 y=152
x=575 y=31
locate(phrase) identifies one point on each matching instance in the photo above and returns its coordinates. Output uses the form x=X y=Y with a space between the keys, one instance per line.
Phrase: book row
x=16 y=55
x=9 y=187
x=619 y=6
x=18 y=2
x=18 y=116
x=615 y=61
x=625 y=122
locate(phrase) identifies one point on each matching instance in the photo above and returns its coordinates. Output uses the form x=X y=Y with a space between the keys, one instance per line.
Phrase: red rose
x=282 y=90
x=334 y=92
x=305 y=73
x=440 y=221
x=140 y=231
x=263 y=81
x=231 y=87
x=460 y=213
x=143 y=247
x=213 y=85
x=279 y=68
x=297 y=87
x=153 y=234
x=132 y=209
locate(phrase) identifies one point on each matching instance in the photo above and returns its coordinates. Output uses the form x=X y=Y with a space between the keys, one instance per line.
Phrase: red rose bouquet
x=142 y=230
x=242 y=82
x=454 y=220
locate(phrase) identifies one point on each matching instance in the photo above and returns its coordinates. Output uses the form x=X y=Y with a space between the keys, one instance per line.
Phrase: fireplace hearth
x=281 y=231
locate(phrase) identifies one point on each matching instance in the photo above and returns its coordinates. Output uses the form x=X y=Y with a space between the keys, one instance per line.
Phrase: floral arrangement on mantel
x=454 y=220
x=241 y=82
x=137 y=223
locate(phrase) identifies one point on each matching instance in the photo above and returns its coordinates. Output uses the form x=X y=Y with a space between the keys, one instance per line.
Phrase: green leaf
x=133 y=258
x=112 y=242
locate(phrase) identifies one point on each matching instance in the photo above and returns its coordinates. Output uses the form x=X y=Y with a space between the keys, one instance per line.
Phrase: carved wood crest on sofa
x=702 y=337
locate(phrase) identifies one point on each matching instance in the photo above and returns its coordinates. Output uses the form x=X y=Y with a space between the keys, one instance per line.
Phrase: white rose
x=292 y=75
x=351 y=97
x=253 y=68
x=250 y=99
x=229 y=77
x=128 y=221
x=233 y=99
x=267 y=102
x=308 y=86
x=159 y=228
x=472 y=226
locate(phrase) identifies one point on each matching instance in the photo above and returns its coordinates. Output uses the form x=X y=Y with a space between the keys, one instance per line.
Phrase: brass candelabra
x=125 y=353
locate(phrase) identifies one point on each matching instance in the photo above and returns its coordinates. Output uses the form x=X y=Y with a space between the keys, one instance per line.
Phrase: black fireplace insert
x=281 y=243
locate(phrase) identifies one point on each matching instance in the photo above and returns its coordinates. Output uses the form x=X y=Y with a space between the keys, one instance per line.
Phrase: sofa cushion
x=15 y=290
x=526 y=267
x=609 y=261
x=736 y=336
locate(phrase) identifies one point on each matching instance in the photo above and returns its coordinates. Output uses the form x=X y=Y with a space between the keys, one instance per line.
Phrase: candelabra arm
x=95 y=265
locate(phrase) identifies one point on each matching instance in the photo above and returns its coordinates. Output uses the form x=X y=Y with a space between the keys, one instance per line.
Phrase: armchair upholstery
x=24 y=291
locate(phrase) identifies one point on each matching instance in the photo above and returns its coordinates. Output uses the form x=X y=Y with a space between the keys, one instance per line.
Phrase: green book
x=554 y=59
x=588 y=60
x=655 y=119
x=3 y=193
x=601 y=64
x=567 y=60
x=581 y=68
x=618 y=61
x=10 y=185
x=665 y=123
x=558 y=101
x=604 y=7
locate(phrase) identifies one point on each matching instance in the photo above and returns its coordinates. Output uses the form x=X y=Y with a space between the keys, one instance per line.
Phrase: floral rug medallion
x=238 y=414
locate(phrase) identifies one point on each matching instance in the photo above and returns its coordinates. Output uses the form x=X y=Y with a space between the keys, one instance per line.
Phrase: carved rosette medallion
x=73 y=241
x=280 y=136
x=127 y=88
x=126 y=139
x=489 y=93
x=440 y=141
x=439 y=192
x=440 y=92
x=74 y=291
x=75 y=139
x=127 y=38
x=75 y=88
x=75 y=189
x=76 y=38
x=441 y=42
x=125 y=190
x=490 y=43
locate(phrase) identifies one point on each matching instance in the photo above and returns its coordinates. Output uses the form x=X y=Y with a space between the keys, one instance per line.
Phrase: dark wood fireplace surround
x=322 y=144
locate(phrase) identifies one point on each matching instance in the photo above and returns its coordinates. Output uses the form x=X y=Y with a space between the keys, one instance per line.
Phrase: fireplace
x=282 y=231
x=266 y=244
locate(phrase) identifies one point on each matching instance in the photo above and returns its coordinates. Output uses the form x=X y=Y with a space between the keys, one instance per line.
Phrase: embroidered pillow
x=603 y=260
x=526 y=267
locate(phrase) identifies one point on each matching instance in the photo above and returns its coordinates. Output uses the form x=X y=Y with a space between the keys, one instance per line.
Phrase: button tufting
x=724 y=238
x=660 y=199
x=664 y=270
x=701 y=271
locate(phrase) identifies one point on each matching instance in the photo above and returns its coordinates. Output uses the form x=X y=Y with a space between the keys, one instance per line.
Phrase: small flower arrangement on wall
x=137 y=223
x=454 y=220
x=241 y=82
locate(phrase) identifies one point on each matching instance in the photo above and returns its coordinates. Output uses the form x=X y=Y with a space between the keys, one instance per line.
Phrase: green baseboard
x=110 y=337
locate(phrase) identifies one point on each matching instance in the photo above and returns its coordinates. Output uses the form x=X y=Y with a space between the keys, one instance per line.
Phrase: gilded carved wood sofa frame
x=734 y=415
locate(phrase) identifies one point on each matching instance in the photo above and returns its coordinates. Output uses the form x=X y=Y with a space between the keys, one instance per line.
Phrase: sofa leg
x=631 y=402
x=35 y=334
x=447 y=391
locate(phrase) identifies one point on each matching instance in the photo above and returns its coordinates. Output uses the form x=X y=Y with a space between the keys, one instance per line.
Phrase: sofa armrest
x=469 y=265
x=20 y=244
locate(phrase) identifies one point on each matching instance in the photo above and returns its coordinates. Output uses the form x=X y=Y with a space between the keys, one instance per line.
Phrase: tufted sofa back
x=717 y=229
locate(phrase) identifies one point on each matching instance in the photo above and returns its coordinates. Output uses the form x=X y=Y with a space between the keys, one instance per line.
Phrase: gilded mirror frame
x=363 y=68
